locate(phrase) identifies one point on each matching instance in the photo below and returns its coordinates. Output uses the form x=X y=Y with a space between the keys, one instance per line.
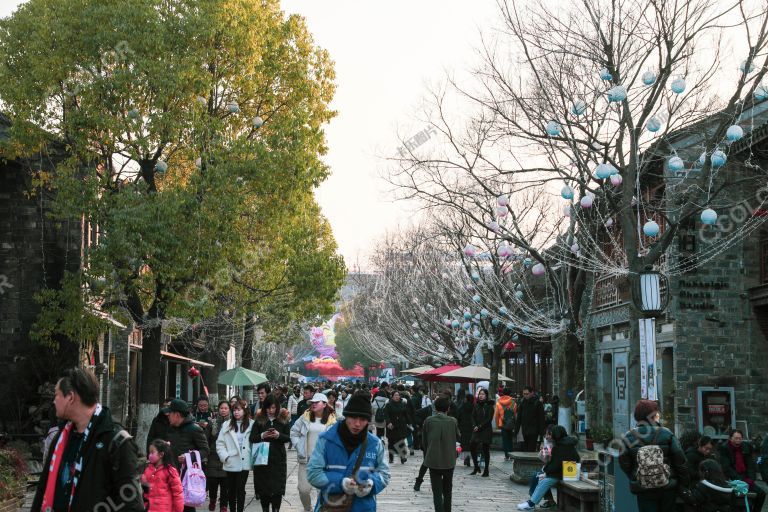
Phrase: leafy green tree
x=192 y=127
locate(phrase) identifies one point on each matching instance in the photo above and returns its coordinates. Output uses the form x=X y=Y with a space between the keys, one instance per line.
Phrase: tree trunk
x=249 y=332
x=149 y=395
x=493 y=383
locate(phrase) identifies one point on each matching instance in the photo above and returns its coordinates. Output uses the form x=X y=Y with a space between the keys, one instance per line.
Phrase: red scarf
x=53 y=469
x=740 y=466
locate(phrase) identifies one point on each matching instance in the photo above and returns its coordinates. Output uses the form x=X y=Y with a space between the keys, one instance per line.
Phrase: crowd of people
x=345 y=437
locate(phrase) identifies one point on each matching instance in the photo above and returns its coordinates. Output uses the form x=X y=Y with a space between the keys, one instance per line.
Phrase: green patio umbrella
x=241 y=377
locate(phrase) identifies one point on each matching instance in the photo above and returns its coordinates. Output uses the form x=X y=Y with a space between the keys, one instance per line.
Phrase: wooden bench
x=578 y=497
x=524 y=466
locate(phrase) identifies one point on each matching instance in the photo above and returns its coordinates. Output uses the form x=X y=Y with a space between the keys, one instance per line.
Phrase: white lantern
x=605 y=74
x=649 y=78
x=651 y=229
x=734 y=133
x=501 y=211
x=161 y=166
x=258 y=122
x=761 y=92
x=617 y=93
x=502 y=200
x=676 y=164
x=538 y=269
x=566 y=192
x=609 y=223
x=469 y=250
x=578 y=107
x=586 y=201
x=678 y=85
x=233 y=107
x=553 y=128
x=709 y=217
x=718 y=159
x=575 y=248
x=653 y=125
x=616 y=180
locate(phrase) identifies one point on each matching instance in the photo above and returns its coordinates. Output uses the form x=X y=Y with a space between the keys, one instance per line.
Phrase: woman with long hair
x=233 y=446
x=465 y=404
x=397 y=419
x=482 y=431
x=304 y=435
x=271 y=426
x=215 y=475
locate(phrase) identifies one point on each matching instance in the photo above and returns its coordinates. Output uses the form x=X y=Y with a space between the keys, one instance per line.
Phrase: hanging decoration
x=718 y=159
x=538 y=269
x=201 y=101
x=678 y=85
x=566 y=192
x=258 y=122
x=475 y=276
x=761 y=92
x=198 y=162
x=476 y=298
x=553 y=128
x=651 y=228
x=161 y=166
x=649 y=78
x=519 y=295
x=653 y=125
x=616 y=180
x=676 y=164
x=494 y=226
x=603 y=171
x=605 y=75
x=734 y=133
x=709 y=217
x=501 y=211
x=746 y=70
x=567 y=210
x=504 y=251
x=578 y=107
x=617 y=93
x=133 y=113
x=502 y=200
x=469 y=251
x=586 y=201
x=233 y=107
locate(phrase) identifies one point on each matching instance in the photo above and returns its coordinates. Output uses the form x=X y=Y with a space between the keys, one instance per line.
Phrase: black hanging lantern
x=650 y=292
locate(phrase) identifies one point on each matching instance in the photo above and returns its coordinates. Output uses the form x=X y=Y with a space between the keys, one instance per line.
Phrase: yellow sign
x=570 y=471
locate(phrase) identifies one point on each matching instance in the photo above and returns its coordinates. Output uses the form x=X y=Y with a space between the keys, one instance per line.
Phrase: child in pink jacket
x=165 y=493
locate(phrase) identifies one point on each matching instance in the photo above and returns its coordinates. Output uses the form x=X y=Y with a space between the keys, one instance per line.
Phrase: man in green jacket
x=440 y=434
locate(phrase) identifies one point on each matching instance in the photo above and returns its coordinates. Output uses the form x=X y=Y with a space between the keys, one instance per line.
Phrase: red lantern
x=193 y=372
x=509 y=346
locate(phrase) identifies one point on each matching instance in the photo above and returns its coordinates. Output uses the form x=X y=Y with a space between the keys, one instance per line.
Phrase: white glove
x=349 y=485
x=364 y=489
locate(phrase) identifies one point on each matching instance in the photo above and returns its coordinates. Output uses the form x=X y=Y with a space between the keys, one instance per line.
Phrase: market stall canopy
x=472 y=373
x=436 y=374
x=416 y=371
x=241 y=377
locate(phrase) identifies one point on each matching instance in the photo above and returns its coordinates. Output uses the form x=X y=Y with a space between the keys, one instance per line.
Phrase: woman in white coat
x=234 y=449
x=304 y=434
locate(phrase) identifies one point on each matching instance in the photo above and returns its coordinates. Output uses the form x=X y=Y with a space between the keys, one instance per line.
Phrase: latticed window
x=606 y=292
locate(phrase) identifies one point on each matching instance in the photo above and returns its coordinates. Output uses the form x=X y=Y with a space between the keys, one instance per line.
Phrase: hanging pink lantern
x=502 y=200
x=469 y=250
x=616 y=180
x=538 y=269
x=501 y=211
x=586 y=201
x=494 y=226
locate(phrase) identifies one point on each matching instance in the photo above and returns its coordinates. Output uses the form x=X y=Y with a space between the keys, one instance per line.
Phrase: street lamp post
x=650 y=295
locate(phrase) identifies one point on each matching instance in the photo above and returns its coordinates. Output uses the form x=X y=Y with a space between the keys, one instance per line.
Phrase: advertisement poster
x=717 y=414
x=648 y=388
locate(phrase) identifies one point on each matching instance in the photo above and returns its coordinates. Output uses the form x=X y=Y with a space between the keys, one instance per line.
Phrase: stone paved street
x=470 y=493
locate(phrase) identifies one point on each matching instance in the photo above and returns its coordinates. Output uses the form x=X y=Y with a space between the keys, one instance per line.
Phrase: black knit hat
x=359 y=406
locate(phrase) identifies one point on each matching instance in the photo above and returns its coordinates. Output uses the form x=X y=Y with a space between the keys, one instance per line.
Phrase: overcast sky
x=386 y=53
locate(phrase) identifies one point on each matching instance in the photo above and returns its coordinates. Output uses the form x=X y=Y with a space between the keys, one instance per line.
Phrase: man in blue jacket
x=332 y=464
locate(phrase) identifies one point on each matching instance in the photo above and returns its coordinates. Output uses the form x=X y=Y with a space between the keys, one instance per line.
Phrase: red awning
x=435 y=374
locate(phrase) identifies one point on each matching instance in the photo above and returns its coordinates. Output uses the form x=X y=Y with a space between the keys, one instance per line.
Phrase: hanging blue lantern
x=653 y=125
x=709 y=217
x=475 y=276
x=466 y=326
x=702 y=159
x=467 y=315
x=526 y=329
x=566 y=192
x=484 y=312
x=553 y=128
x=233 y=107
x=519 y=295
x=503 y=311
x=761 y=92
x=676 y=164
x=678 y=85
x=527 y=262
x=734 y=133
x=649 y=78
x=651 y=229
x=476 y=298
x=605 y=75
x=133 y=113
x=476 y=333
x=495 y=322
x=510 y=326
x=603 y=171
x=743 y=67
x=455 y=324
x=161 y=166
x=515 y=337
x=718 y=159
x=578 y=107
x=617 y=93
x=477 y=317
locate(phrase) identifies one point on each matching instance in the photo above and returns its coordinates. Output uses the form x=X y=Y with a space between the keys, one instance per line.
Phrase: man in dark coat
x=185 y=435
x=738 y=461
x=530 y=419
x=650 y=432
x=96 y=461
x=309 y=392
x=159 y=427
x=439 y=437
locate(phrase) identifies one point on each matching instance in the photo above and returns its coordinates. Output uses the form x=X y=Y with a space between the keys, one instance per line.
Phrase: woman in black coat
x=482 y=430
x=272 y=425
x=712 y=493
x=464 y=416
x=397 y=418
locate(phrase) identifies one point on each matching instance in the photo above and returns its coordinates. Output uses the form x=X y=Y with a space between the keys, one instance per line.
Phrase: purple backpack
x=193 y=482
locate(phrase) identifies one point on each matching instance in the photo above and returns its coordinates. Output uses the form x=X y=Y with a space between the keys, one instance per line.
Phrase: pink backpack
x=193 y=482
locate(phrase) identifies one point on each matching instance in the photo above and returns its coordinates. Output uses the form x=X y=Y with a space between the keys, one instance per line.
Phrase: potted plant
x=602 y=436
x=13 y=480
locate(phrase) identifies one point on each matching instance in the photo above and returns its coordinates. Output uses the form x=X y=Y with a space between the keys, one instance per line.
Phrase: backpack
x=652 y=473
x=508 y=420
x=379 y=418
x=193 y=483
